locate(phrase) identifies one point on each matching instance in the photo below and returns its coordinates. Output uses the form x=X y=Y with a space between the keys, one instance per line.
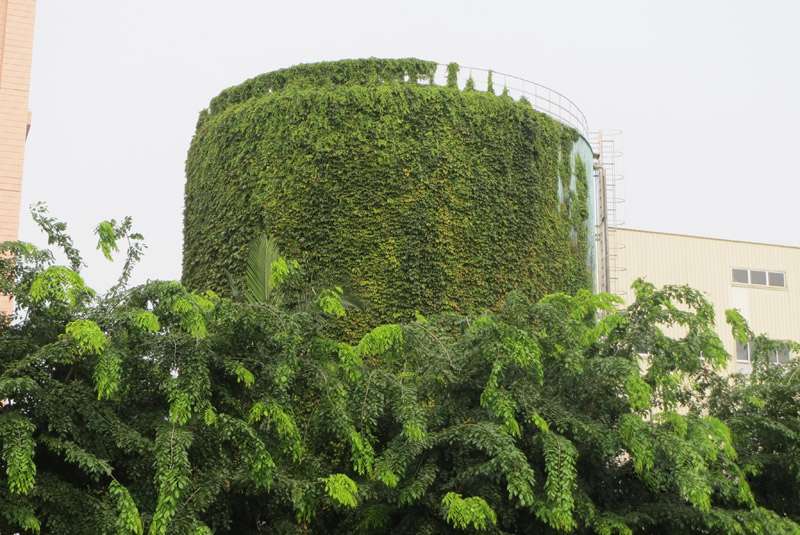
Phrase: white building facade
x=761 y=281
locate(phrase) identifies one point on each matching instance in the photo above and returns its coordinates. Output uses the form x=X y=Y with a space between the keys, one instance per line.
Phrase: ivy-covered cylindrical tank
x=415 y=196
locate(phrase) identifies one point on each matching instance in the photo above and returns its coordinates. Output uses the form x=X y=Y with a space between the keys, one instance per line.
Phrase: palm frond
x=350 y=299
x=263 y=253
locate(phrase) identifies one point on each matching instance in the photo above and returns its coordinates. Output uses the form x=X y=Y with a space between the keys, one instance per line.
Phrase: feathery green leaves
x=16 y=436
x=342 y=489
x=465 y=512
x=165 y=411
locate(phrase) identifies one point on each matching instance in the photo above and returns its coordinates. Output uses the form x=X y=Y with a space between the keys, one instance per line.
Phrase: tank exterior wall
x=583 y=150
x=415 y=196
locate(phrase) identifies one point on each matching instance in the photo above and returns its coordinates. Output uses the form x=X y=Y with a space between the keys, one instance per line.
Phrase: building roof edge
x=706 y=238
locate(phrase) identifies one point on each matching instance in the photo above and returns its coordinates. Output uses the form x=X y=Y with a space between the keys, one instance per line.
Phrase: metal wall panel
x=705 y=264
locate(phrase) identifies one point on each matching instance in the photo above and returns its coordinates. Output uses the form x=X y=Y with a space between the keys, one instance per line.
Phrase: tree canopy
x=154 y=409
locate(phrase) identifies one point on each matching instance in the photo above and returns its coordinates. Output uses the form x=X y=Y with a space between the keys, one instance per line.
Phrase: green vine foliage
x=452 y=75
x=329 y=74
x=415 y=197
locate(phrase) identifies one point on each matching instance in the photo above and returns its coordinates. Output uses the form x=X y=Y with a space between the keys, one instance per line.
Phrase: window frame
x=774 y=358
x=748 y=349
x=768 y=275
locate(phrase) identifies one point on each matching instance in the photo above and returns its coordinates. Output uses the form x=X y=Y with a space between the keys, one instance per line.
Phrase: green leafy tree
x=762 y=411
x=157 y=410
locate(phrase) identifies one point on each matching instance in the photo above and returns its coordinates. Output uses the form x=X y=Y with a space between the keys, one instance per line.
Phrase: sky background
x=706 y=93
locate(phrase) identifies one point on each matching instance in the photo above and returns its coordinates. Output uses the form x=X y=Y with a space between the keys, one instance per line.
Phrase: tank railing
x=541 y=98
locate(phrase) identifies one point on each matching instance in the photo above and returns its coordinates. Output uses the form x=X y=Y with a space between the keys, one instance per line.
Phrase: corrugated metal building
x=762 y=281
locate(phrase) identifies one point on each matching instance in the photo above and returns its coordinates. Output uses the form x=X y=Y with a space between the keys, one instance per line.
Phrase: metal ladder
x=607 y=148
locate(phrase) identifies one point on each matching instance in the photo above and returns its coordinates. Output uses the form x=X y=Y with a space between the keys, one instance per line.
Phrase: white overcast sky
x=707 y=94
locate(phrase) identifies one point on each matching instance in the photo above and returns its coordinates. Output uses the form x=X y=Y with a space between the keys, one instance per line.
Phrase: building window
x=781 y=356
x=744 y=353
x=741 y=276
x=758 y=277
x=777 y=279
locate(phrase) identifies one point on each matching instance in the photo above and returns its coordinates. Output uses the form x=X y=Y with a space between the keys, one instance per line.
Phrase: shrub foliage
x=159 y=410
